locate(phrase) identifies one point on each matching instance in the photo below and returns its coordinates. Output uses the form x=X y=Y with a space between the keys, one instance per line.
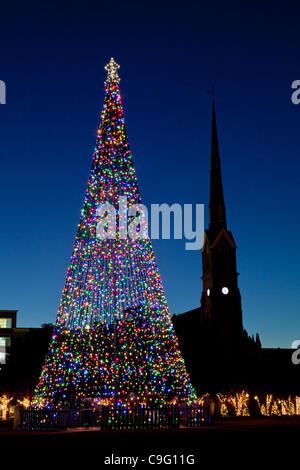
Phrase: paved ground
x=240 y=442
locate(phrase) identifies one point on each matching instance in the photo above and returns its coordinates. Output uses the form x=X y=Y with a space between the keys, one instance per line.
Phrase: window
x=5 y=322
x=4 y=342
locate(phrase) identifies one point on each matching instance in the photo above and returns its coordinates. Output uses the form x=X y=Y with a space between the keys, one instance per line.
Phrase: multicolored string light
x=113 y=338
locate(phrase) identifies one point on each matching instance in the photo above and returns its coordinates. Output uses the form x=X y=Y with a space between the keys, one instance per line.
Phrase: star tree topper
x=112 y=71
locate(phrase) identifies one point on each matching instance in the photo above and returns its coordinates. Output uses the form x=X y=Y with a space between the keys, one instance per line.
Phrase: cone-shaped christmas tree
x=113 y=339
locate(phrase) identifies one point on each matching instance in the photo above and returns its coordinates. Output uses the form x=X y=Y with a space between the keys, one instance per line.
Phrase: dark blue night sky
x=52 y=58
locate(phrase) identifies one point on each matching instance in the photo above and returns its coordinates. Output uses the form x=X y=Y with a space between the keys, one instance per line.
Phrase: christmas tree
x=113 y=339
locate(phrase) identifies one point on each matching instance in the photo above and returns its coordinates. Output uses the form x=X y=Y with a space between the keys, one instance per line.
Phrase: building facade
x=218 y=351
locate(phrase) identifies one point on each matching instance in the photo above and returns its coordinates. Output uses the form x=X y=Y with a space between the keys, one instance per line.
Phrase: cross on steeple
x=112 y=71
x=211 y=91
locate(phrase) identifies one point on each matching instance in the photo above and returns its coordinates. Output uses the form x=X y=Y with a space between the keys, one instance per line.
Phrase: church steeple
x=217 y=211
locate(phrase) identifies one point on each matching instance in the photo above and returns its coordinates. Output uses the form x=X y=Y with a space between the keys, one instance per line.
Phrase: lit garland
x=272 y=406
x=222 y=400
x=25 y=402
x=4 y=405
x=288 y=407
x=297 y=405
x=269 y=405
x=240 y=402
x=114 y=339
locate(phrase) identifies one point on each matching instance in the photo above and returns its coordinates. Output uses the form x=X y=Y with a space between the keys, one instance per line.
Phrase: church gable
x=224 y=237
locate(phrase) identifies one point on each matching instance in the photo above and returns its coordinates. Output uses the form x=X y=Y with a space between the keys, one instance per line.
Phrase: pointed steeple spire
x=217 y=211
